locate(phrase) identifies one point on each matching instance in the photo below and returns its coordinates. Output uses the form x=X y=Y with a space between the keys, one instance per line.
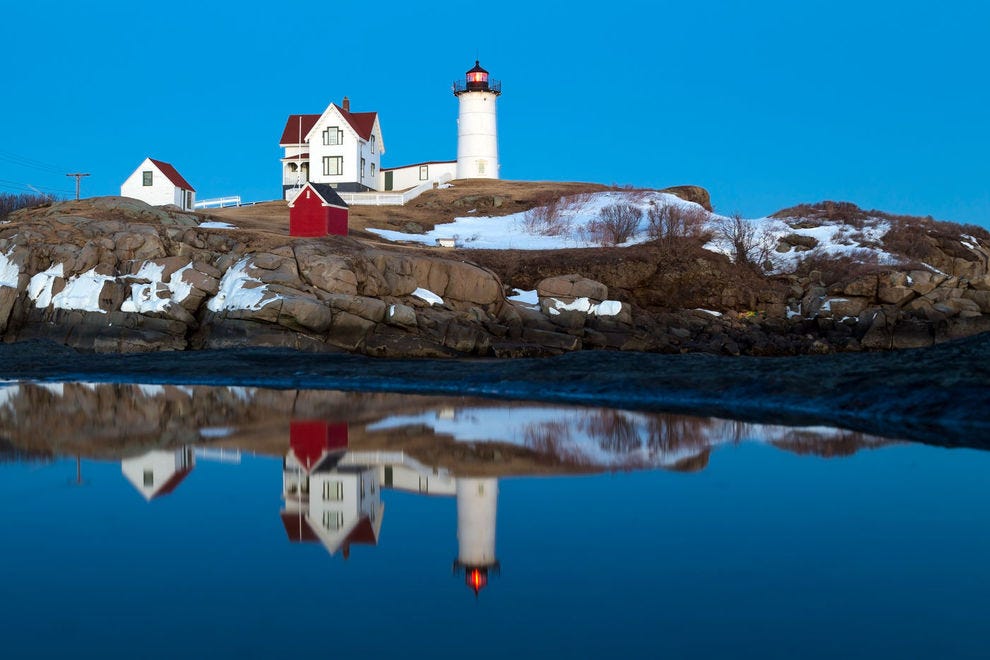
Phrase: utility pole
x=79 y=176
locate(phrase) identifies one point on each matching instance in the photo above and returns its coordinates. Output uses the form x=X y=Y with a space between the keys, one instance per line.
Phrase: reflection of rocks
x=466 y=436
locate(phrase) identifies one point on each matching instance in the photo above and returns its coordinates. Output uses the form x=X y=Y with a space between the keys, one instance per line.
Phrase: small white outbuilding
x=159 y=184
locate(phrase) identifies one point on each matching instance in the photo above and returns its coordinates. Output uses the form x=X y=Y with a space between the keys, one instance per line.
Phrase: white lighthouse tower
x=477 y=505
x=477 y=136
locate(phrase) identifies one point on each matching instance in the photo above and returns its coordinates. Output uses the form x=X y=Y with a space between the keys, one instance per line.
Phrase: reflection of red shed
x=311 y=440
x=317 y=211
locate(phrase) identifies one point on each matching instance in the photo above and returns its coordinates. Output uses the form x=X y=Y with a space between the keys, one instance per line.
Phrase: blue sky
x=766 y=104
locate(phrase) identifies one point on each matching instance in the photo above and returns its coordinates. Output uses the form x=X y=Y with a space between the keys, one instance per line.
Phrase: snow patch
x=40 y=286
x=708 y=311
x=428 y=296
x=145 y=295
x=525 y=297
x=216 y=224
x=82 y=292
x=151 y=391
x=9 y=271
x=235 y=294
x=604 y=308
x=510 y=231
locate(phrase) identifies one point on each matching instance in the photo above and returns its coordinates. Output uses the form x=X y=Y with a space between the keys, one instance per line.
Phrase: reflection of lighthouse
x=477 y=505
x=477 y=138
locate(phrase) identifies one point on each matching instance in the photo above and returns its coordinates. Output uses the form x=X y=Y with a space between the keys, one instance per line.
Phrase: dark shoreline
x=938 y=395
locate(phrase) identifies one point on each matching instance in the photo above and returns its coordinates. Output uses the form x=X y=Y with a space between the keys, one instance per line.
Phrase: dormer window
x=333 y=136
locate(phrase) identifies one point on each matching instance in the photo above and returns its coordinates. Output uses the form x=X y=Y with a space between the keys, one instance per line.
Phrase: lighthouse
x=477 y=136
x=477 y=504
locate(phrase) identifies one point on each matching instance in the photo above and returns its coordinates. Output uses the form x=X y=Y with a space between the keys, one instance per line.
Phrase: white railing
x=393 y=198
x=218 y=202
x=229 y=456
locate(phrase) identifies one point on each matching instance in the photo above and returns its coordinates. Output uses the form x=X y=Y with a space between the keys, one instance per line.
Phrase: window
x=333 y=491
x=424 y=172
x=333 y=136
x=146 y=178
x=362 y=168
x=372 y=144
x=333 y=519
x=149 y=478
x=481 y=167
x=333 y=165
x=372 y=170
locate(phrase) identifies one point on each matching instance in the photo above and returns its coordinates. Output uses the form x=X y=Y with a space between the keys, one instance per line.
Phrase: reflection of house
x=333 y=496
x=158 y=472
x=327 y=500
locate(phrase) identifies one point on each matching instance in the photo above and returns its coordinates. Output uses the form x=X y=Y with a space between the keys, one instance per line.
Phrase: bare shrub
x=668 y=223
x=547 y=218
x=835 y=269
x=615 y=224
x=747 y=244
x=910 y=238
x=10 y=202
x=614 y=431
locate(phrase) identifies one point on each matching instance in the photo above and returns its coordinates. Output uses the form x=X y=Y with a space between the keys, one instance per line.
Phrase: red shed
x=317 y=211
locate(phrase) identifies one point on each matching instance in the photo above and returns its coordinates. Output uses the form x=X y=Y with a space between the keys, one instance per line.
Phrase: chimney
x=346 y=104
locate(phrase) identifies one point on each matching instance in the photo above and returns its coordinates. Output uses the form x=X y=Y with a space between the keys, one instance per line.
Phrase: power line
x=18 y=186
x=24 y=161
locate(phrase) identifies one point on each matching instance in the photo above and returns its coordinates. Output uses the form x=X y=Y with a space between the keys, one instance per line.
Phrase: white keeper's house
x=339 y=147
x=158 y=183
x=343 y=149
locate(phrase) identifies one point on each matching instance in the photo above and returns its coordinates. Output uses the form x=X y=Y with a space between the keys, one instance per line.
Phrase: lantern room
x=476 y=80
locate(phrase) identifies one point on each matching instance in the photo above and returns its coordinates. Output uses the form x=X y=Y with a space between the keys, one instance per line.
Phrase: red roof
x=361 y=122
x=172 y=483
x=298 y=528
x=362 y=534
x=172 y=175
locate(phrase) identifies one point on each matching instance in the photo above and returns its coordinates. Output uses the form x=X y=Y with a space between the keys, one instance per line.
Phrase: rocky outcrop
x=136 y=278
x=108 y=275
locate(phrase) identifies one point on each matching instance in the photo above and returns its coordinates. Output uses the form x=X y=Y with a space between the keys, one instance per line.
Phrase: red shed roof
x=362 y=123
x=172 y=175
x=172 y=483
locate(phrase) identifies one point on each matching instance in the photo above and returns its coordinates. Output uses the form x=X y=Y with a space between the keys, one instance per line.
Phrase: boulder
x=371 y=309
x=844 y=307
x=894 y=294
x=402 y=315
x=468 y=283
x=305 y=313
x=570 y=287
x=980 y=297
x=865 y=286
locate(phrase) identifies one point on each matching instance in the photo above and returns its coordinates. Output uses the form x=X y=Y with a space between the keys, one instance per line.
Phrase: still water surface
x=142 y=521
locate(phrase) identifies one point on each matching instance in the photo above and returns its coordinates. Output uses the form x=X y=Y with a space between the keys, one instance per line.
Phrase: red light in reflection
x=476 y=579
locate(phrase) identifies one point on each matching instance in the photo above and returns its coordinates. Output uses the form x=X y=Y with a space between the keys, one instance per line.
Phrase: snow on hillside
x=577 y=212
x=610 y=438
x=509 y=232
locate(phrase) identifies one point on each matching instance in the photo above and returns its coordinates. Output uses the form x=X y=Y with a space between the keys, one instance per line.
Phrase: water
x=154 y=522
